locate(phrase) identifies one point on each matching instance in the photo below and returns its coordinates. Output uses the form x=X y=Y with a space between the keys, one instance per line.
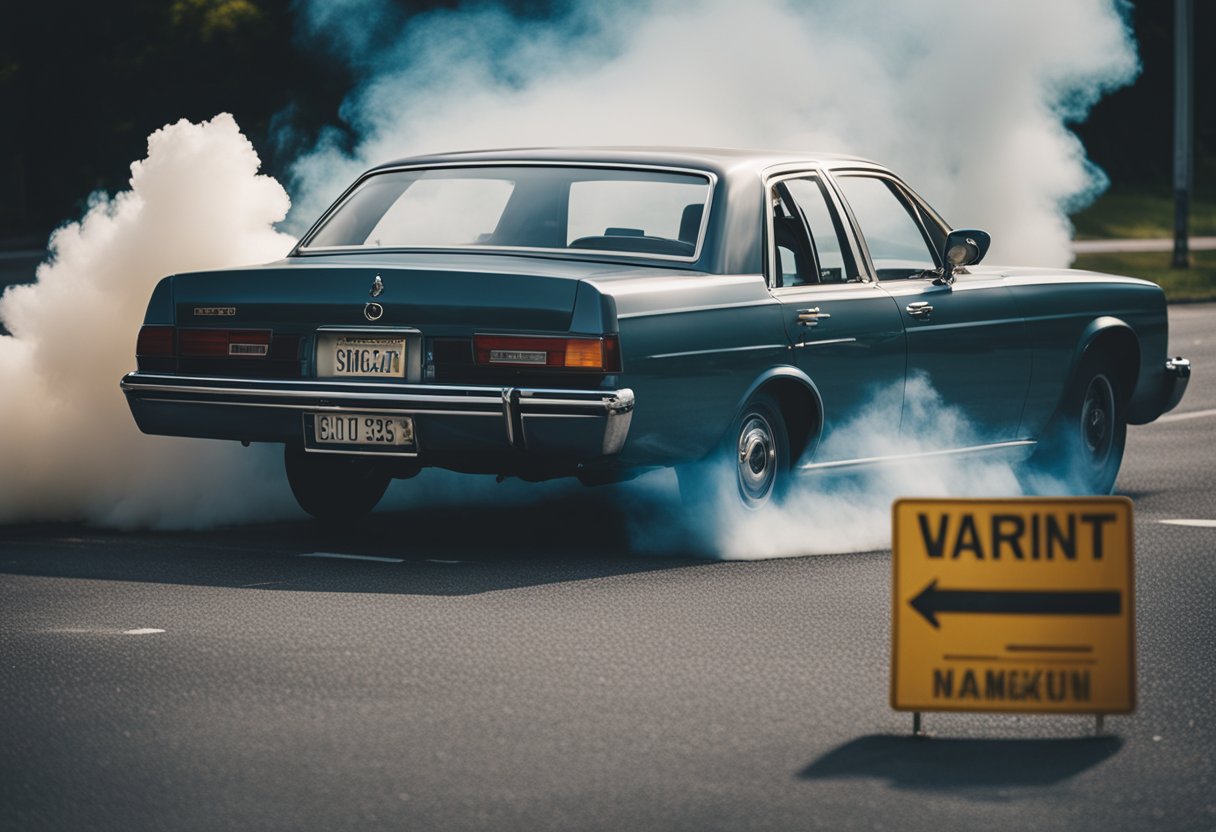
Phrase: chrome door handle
x=920 y=309
x=811 y=317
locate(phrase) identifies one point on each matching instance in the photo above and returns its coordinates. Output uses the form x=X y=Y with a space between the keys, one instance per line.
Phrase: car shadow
x=923 y=763
x=436 y=550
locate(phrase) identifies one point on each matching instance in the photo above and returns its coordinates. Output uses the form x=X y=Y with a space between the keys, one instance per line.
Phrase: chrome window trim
x=847 y=223
x=303 y=249
x=908 y=193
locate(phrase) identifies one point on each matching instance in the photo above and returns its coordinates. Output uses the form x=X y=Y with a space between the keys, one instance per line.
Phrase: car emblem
x=377 y=287
x=373 y=311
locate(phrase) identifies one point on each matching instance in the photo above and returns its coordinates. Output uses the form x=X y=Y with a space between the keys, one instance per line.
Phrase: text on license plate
x=362 y=429
x=369 y=357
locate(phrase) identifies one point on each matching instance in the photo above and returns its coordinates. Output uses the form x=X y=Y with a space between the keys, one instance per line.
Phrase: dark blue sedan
x=595 y=313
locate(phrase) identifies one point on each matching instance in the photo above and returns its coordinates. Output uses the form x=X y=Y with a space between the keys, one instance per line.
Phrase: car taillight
x=540 y=352
x=155 y=342
x=216 y=343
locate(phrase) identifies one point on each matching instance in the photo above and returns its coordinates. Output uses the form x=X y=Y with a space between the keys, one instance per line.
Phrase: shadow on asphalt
x=946 y=764
x=444 y=551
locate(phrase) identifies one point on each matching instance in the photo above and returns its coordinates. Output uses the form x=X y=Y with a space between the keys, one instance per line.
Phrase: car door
x=966 y=338
x=845 y=332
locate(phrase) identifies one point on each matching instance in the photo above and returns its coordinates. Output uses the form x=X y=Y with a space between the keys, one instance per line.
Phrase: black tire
x=1085 y=442
x=754 y=458
x=334 y=488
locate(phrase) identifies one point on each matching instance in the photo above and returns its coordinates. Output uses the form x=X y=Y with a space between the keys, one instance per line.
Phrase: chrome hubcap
x=757 y=461
x=1097 y=419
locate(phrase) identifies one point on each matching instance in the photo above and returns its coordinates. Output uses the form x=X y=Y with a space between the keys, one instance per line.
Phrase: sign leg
x=1099 y=724
x=917 y=731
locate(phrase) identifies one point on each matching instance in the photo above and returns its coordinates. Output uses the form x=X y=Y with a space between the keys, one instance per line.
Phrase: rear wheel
x=1086 y=441
x=332 y=487
x=753 y=464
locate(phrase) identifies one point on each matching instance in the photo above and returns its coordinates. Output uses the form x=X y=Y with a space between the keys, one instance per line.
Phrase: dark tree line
x=83 y=84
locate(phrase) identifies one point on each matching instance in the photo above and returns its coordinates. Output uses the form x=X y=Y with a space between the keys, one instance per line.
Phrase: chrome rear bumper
x=1177 y=375
x=569 y=423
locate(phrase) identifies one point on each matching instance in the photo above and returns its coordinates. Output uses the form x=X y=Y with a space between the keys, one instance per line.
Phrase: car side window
x=825 y=228
x=808 y=235
x=795 y=264
x=896 y=242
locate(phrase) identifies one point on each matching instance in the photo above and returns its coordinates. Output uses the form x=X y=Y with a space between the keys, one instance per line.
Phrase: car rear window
x=620 y=210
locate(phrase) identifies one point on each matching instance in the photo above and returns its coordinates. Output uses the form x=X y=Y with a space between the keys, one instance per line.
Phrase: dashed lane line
x=339 y=556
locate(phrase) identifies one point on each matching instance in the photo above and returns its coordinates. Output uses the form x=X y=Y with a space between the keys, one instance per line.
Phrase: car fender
x=788 y=377
x=1117 y=334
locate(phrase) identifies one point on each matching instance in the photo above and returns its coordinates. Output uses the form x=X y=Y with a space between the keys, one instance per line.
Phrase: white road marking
x=141 y=631
x=338 y=556
x=1194 y=414
x=1202 y=524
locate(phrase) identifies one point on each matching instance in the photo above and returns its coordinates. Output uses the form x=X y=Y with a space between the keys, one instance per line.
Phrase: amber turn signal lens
x=548 y=352
x=585 y=354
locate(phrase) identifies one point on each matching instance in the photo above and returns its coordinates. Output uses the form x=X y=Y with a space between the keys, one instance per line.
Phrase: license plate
x=363 y=429
x=364 y=357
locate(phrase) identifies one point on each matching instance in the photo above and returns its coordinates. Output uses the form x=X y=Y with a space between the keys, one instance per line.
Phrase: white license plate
x=365 y=357
x=362 y=429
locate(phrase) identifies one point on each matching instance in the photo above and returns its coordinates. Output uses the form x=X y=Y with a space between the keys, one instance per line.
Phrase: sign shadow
x=920 y=763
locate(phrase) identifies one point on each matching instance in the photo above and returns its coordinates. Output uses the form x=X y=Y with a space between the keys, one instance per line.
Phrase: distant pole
x=1182 y=131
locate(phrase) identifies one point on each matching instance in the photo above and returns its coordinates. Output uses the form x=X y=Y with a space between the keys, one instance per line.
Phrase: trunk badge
x=373 y=311
x=377 y=287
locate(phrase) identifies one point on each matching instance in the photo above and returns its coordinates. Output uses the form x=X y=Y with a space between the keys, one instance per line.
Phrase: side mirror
x=963 y=247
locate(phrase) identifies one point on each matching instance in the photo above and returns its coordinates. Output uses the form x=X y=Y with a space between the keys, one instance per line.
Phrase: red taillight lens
x=599 y=354
x=216 y=343
x=155 y=342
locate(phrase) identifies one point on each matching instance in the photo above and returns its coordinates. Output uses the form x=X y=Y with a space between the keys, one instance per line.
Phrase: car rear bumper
x=569 y=424
x=1177 y=375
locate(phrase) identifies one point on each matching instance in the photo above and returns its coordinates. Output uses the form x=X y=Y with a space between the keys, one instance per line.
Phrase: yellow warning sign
x=1013 y=605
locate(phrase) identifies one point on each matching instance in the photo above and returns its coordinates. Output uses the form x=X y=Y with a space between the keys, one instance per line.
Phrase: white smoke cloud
x=838 y=513
x=69 y=448
x=967 y=100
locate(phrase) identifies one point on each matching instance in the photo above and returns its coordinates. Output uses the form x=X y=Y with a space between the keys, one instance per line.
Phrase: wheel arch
x=800 y=403
x=1113 y=337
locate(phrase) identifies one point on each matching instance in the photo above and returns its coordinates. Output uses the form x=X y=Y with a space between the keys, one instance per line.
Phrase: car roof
x=717 y=159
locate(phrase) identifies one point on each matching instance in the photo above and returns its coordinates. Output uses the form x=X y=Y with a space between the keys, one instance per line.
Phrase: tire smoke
x=838 y=513
x=69 y=449
x=969 y=101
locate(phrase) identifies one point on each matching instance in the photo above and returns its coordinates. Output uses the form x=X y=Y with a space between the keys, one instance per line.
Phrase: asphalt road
x=520 y=668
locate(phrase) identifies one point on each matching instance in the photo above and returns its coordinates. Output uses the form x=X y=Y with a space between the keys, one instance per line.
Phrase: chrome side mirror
x=963 y=247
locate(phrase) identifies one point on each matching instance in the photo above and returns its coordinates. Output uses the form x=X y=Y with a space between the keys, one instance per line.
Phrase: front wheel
x=1086 y=441
x=332 y=487
x=753 y=464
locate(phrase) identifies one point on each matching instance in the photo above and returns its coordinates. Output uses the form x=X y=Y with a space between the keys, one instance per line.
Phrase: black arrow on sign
x=932 y=601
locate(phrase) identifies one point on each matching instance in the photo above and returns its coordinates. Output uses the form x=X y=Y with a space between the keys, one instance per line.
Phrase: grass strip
x=1198 y=283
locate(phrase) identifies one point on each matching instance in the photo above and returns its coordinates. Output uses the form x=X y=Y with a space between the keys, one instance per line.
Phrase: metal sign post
x=1182 y=132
